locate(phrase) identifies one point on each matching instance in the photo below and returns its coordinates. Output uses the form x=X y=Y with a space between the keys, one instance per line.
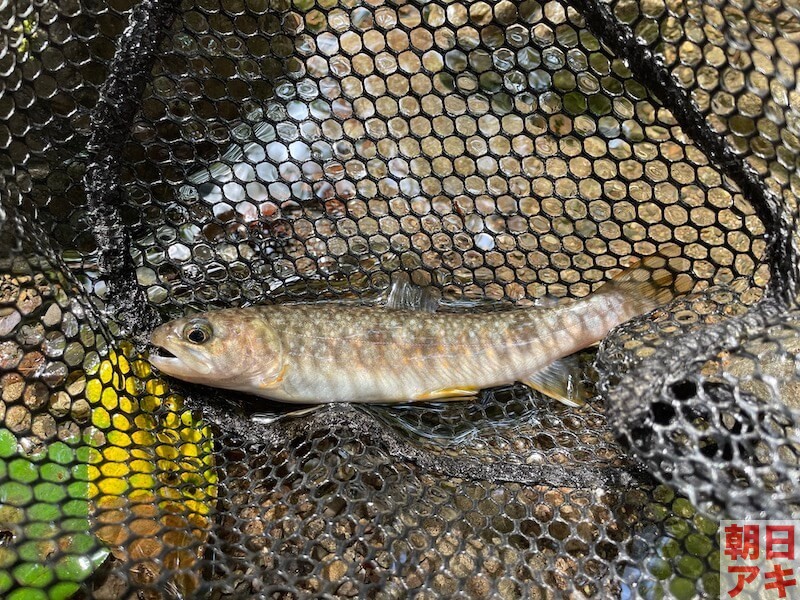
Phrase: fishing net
x=162 y=158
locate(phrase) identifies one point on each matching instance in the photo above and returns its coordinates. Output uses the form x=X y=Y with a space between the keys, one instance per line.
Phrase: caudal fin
x=643 y=287
x=651 y=282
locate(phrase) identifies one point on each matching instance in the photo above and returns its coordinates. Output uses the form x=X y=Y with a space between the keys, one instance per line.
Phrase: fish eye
x=197 y=333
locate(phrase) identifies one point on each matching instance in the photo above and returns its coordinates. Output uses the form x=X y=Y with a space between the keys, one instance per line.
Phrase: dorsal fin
x=548 y=301
x=406 y=296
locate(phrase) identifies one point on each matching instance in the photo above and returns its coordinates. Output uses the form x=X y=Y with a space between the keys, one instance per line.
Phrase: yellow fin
x=453 y=393
x=561 y=381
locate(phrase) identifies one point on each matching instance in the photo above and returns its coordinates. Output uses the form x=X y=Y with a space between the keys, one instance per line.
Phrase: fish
x=314 y=353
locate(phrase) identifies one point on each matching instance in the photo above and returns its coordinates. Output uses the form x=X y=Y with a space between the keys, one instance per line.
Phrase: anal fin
x=453 y=393
x=561 y=380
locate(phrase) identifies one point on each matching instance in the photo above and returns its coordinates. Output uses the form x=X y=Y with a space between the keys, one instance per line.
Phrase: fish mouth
x=171 y=356
x=160 y=357
x=178 y=361
x=164 y=360
x=161 y=352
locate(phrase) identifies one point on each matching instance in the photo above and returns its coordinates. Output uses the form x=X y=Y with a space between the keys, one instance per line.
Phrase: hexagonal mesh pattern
x=163 y=158
x=493 y=151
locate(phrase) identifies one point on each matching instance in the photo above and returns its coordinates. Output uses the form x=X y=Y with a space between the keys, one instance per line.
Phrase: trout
x=324 y=352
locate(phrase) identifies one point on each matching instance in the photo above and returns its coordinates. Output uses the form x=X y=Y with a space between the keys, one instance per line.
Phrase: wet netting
x=160 y=158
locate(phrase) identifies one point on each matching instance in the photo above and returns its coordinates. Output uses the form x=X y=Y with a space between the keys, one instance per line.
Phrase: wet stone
x=69 y=432
x=52 y=316
x=18 y=419
x=60 y=403
x=10 y=355
x=335 y=570
x=54 y=344
x=9 y=319
x=44 y=426
x=9 y=289
x=36 y=395
x=31 y=364
x=11 y=387
x=54 y=373
x=30 y=335
x=28 y=301
x=81 y=410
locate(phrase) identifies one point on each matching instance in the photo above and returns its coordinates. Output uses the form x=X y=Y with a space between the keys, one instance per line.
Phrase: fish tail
x=650 y=283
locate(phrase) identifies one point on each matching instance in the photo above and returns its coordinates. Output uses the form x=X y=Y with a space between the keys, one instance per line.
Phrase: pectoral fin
x=561 y=380
x=454 y=393
x=273 y=382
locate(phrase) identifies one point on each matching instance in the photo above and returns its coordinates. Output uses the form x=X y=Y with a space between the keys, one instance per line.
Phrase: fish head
x=230 y=348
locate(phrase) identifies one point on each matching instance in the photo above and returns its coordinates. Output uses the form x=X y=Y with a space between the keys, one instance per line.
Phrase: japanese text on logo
x=758 y=559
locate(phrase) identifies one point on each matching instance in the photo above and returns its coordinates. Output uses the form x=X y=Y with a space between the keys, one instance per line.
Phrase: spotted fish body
x=360 y=354
x=312 y=353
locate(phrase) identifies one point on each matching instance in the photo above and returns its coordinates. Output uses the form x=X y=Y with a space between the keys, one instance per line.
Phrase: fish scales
x=331 y=352
x=344 y=352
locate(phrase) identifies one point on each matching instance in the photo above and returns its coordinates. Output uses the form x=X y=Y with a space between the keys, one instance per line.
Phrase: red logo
x=758 y=559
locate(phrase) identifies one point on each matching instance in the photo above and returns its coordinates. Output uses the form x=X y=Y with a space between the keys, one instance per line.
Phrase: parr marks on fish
x=329 y=352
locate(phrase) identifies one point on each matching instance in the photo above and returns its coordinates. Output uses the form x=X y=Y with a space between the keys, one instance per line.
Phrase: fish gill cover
x=162 y=158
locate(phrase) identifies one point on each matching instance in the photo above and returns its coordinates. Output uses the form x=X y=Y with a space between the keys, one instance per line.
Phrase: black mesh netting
x=168 y=157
